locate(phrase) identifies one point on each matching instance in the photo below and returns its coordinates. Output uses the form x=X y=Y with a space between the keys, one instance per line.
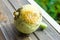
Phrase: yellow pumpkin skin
x=29 y=19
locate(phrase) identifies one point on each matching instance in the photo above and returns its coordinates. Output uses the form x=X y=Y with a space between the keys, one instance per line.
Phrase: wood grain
x=1 y=36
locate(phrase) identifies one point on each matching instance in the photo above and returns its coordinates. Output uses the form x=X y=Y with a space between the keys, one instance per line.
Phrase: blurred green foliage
x=52 y=7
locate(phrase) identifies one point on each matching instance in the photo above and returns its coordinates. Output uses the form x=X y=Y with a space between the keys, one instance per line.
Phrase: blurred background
x=52 y=7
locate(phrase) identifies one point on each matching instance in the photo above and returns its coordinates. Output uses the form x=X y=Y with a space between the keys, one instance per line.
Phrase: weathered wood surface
x=9 y=6
x=1 y=36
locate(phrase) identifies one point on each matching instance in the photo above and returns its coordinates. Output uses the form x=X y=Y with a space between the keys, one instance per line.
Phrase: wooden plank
x=18 y=3
x=6 y=10
x=51 y=31
x=33 y=37
x=1 y=35
x=48 y=34
x=6 y=28
x=30 y=37
x=42 y=35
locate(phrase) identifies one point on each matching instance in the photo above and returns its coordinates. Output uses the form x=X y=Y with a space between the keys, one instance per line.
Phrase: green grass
x=52 y=7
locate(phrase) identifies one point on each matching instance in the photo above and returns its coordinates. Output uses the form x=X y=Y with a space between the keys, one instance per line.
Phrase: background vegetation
x=52 y=7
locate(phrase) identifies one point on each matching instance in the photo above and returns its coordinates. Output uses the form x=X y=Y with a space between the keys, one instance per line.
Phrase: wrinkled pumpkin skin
x=27 y=19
